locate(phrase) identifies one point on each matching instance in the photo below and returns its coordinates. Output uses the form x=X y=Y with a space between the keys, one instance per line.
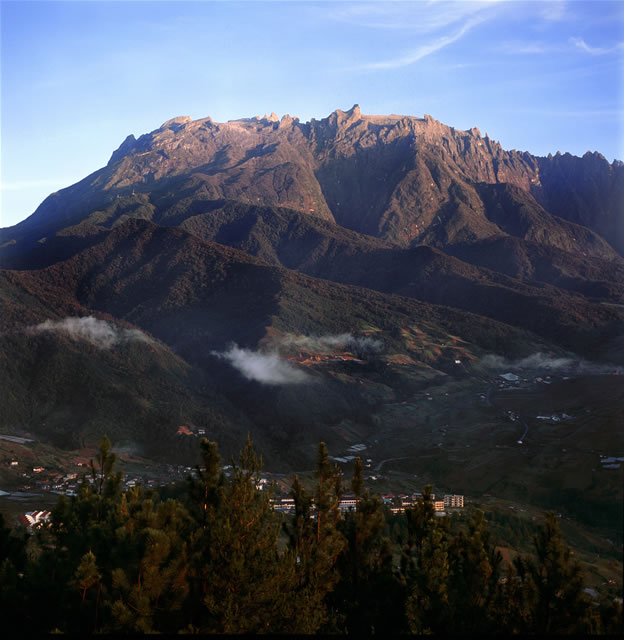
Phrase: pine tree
x=315 y=544
x=367 y=597
x=562 y=606
x=472 y=578
x=425 y=567
x=13 y=562
x=206 y=483
x=513 y=605
x=102 y=474
x=149 y=584
x=236 y=560
x=87 y=576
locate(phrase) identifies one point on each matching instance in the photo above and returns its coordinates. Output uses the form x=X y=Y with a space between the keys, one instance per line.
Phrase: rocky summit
x=404 y=179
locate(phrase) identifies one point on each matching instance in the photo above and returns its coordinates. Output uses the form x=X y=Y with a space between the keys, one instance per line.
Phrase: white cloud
x=549 y=363
x=330 y=342
x=524 y=48
x=422 y=51
x=99 y=333
x=418 y=17
x=579 y=43
x=267 y=368
x=553 y=10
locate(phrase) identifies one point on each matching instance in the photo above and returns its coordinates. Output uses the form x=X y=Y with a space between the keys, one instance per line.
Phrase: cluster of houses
x=396 y=504
x=513 y=379
x=45 y=480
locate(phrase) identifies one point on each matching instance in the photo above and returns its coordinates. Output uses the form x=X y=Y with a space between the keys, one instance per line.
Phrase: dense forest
x=214 y=557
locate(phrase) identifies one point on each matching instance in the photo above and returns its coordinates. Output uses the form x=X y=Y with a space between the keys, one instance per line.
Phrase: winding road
x=380 y=464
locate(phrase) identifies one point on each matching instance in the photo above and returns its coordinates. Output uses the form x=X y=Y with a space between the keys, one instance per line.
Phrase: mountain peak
x=175 y=123
x=351 y=115
x=354 y=111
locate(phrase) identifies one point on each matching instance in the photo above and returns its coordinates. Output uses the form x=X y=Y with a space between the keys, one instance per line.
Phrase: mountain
x=298 y=279
x=403 y=179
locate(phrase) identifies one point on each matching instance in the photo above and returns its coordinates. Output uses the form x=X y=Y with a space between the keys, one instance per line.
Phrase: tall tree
x=473 y=578
x=425 y=567
x=315 y=543
x=367 y=598
x=562 y=606
x=149 y=583
x=246 y=583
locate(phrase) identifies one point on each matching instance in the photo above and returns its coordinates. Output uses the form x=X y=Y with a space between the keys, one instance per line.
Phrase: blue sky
x=78 y=77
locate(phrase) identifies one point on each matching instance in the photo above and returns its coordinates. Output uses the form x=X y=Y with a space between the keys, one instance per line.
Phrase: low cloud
x=360 y=344
x=99 y=333
x=267 y=368
x=549 y=363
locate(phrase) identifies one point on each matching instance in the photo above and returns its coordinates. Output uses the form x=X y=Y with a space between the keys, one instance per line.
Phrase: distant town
x=37 y=479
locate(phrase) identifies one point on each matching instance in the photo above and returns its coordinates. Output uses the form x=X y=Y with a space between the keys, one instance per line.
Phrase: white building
x=454 y=501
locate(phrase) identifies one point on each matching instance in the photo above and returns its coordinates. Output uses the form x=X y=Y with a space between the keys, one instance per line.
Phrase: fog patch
x=127 y=447
x=361 y=344
x=100 y=333
x=266 y=368
x=549 y=363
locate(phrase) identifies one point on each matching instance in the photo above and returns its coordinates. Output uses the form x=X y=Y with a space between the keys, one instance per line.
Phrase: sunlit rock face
x=407 y=180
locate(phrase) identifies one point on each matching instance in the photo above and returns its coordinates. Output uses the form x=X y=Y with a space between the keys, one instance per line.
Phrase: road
x=526 y=430
x=380 y=464
x=488 y=401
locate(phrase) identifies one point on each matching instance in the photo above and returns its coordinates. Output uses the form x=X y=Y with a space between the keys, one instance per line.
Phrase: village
x=37 y=482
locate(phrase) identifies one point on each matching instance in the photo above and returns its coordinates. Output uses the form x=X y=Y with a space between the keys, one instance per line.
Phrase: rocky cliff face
x=404 y=179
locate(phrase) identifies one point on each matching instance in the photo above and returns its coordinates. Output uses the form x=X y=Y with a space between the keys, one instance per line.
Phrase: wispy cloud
x=361 y=344
x=266 y=368
x=99 y=333
x=516 y=47
x=422 y=51
x=550 y=363
x=529 y=48
x=580 y=44
x=417 y=17
x=553 y=10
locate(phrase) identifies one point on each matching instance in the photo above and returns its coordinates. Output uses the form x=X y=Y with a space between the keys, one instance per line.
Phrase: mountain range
x=294 y=280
